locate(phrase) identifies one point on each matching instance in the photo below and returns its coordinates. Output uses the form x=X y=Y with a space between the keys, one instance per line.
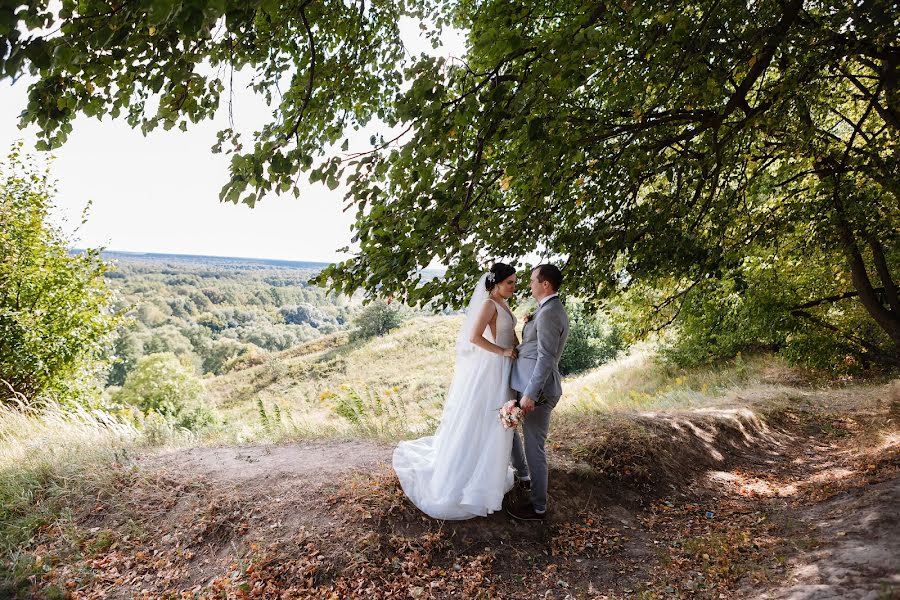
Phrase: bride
x=463 y=470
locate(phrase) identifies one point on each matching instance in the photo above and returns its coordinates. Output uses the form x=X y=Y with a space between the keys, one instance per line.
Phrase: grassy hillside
x=394 y=386
x=386 y=386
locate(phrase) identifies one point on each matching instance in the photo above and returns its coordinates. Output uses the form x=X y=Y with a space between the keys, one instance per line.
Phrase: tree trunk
x=884 y=273
x=887 y=320
x=891 y=79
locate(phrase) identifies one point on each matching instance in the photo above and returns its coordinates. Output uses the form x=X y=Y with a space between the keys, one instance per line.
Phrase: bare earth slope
x=782 y=496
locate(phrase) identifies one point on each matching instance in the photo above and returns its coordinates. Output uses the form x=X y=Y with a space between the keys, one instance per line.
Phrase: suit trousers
x=532 y=459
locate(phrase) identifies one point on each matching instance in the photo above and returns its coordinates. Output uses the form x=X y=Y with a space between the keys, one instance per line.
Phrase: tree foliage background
x=56 y=309
x=725 y=167
x=593 y=340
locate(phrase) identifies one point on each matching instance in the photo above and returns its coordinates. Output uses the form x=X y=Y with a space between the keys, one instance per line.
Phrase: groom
x=535 y=376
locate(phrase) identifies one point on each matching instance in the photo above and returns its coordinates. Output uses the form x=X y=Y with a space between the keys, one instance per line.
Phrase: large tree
x=674 y=145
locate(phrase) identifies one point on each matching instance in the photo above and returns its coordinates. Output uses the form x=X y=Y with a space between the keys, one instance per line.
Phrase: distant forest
x=216 y=312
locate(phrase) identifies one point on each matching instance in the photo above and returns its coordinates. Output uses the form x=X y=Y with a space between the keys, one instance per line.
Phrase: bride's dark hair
x=498 y=273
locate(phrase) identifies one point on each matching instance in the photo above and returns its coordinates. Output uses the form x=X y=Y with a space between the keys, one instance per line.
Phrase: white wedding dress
x=463 y=470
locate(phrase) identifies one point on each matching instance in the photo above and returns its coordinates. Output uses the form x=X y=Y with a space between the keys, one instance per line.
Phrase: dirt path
x=858 y=548
x=705 y=504
x=313 y=463
x=838 y=533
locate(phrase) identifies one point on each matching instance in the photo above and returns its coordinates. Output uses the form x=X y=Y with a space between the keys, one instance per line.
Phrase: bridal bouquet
x=511 y=414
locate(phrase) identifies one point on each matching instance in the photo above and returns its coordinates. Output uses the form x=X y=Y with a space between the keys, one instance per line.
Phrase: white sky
x=160 y=193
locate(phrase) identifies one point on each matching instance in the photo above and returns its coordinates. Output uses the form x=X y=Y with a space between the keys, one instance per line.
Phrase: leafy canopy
x=660 y=144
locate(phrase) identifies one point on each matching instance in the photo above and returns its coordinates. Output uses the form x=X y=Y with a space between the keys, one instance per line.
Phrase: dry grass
x=394 y=387
x=49 y=461
x=54 y=434
x=385 y=387
x=638 y=381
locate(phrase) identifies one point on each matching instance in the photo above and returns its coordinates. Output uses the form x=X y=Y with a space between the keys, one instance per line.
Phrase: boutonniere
x=528 y=317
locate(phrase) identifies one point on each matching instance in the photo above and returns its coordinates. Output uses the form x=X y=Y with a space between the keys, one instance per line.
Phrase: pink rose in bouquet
x=511 y=414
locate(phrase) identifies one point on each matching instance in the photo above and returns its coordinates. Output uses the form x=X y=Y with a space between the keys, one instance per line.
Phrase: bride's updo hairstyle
x=498 y=273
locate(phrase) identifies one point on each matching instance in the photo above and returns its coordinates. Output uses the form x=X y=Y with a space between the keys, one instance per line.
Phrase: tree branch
x=831 y=299
x=885 y=113
x=876 y=353
x=381 y=146
x=312 y=70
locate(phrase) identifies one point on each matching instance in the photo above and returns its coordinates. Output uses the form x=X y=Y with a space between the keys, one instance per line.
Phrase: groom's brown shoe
x=525 y=513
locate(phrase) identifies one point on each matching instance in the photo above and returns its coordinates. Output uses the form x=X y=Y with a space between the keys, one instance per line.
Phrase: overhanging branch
x=312 y=70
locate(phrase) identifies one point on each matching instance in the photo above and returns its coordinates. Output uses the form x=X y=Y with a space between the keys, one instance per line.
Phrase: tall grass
x=52 y=460
x=640 y=381
x=57 y=434
x=393 y=387
x=387 y=387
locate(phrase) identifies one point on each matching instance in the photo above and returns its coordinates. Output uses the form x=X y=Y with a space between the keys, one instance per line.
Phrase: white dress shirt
x=543 y=301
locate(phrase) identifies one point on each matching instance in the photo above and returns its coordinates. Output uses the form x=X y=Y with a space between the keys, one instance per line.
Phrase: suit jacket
x=536 y=372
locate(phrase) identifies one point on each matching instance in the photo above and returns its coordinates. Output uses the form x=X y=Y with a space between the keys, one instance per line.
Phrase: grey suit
x=536 y=374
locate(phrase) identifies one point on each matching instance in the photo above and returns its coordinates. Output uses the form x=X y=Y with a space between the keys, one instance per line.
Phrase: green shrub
x=592 y=340
x=726 y=317
x=219 y=353
x=375 y=319
x=793 y=299
x=721 y=318
x=55 y=307
x=163 y=384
